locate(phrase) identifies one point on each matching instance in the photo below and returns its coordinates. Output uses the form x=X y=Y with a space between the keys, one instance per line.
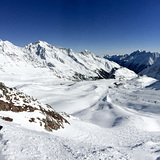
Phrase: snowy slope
x=153 y=71
x=136 y=61
x=43 y=58
x=28 y=112
x=111 y=119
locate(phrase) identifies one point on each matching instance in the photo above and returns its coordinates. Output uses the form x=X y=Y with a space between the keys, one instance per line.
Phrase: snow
x=109 y=118
x=102 y=126
x=124 y=73
x=136 y=61
x=60 y=62
x=153 y=70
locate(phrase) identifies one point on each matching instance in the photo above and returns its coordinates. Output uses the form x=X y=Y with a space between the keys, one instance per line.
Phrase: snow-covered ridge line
x=136 y=61
x=59 y=62
x=18 y=107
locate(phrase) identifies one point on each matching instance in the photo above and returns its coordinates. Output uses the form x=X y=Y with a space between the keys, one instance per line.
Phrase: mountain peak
x=86 y=52
x=39 y=42
x=139 y=50
x=42 y=42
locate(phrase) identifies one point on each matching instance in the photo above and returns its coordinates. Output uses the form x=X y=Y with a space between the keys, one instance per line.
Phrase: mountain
x=152 y=71
x=43 y=58
x=114 y=118
x=20 y=108
x=136 y=61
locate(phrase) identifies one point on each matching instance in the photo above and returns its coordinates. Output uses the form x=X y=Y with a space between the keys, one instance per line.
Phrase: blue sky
x=101 y=26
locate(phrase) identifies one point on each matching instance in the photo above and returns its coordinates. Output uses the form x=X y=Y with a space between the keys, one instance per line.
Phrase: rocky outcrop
x=12 y=100
x=1 y=127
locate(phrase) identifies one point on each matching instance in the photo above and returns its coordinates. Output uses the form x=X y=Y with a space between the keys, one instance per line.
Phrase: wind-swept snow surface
x=110 y=119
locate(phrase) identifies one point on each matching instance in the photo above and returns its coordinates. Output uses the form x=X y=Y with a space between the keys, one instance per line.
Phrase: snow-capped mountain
x=136 y=61
x=153 y=71
x=43 y=58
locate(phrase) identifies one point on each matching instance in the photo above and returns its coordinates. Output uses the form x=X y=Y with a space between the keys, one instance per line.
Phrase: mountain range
x=141 y=62
x=43 y=58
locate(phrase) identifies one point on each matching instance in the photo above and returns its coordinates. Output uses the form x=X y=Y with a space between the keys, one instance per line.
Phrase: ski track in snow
x=111 y=119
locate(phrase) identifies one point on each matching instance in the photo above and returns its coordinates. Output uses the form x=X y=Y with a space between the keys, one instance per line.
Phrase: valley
x=109 y=118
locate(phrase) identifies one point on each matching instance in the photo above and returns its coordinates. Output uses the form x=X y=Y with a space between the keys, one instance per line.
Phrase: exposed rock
x=101 y=74
x=7 y=119
x=11 y=100
x=32 y=120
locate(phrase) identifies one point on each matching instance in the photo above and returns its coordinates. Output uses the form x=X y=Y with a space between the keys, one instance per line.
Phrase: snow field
x=103 y=124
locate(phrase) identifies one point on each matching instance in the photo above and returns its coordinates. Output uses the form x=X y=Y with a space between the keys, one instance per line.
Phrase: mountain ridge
x=136 y=61
x=61 y=62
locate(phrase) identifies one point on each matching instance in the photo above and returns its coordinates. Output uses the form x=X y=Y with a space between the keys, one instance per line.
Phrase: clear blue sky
x=101 y=26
